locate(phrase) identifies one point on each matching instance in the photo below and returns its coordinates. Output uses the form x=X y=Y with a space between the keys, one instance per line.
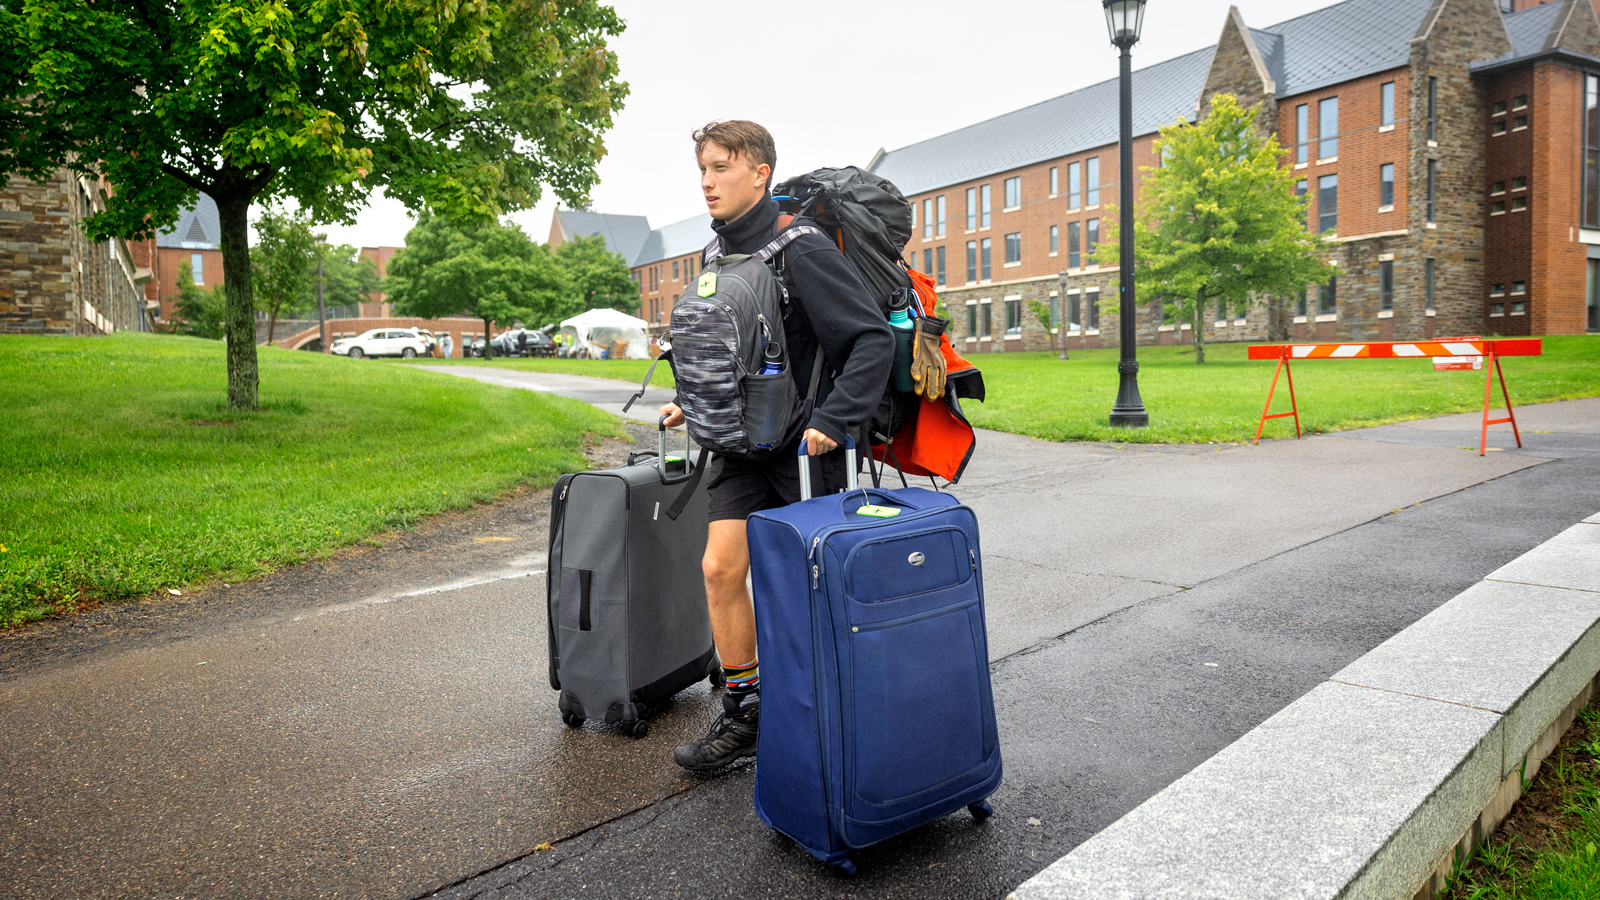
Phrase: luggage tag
x=882 y=512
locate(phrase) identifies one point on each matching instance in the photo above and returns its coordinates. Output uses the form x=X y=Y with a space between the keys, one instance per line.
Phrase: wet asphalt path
x=379 y=725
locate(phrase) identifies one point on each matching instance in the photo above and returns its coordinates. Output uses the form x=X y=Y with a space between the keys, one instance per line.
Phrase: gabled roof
x=623 y=234
x=678 y=239
x=1340 y=42
x=197 y=228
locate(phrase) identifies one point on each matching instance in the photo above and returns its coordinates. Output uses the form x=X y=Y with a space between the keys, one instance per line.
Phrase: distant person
x=446 y=344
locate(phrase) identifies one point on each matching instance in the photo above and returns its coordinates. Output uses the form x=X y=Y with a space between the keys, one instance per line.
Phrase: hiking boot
x=732 y=735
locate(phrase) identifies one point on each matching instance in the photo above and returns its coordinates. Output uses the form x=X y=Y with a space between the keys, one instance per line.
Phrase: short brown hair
x=740 y=138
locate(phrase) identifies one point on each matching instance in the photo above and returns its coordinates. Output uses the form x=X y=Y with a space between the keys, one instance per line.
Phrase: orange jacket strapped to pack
x=937 y=440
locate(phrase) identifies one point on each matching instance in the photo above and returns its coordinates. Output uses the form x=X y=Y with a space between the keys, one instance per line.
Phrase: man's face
x=731 y=185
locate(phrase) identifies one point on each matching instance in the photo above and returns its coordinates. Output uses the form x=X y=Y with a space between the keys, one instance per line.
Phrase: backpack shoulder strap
x=786 y=237
x=713 y=252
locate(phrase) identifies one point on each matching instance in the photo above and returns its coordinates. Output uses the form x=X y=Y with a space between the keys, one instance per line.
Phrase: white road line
x=423 y=592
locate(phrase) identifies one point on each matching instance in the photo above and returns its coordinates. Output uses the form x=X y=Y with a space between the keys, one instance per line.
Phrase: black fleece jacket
x=835 y=312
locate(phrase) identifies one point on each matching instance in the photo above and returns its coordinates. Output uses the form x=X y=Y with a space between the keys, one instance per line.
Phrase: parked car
x=401 y=342
x=517 y=342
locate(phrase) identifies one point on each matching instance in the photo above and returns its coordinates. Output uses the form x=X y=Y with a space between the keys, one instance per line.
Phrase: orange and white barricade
x=1446 y=353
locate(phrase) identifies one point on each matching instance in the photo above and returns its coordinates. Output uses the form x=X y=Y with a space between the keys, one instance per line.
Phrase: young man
x=833 y=322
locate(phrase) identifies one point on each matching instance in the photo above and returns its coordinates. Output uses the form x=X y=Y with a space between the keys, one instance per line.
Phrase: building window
x=1072 y=185
x=986 y=320
x=1498 y=289
x=1499 y=107
x=1300 y=188
x=972 y=320
x=1519 y=287
x=1433 y=173
x=1013 y=317
x=1386 y=184
x=1499 y=128
x=927 y=261
x=1052 y=181
x=674 y=270
x=1520 y=102
x=1520 y=183
x=1300 y=304
x=1497 y=208
x=1594 y=295
x=1427 y=283
x=1518 y=204
x=197 y=267
x=1074 y=257
x=1091 y=299
x=938 y=266
x=983 y=206
x=1093 y=241
x=1386 y=285
x=972 y=209
x=939 y=213
x=972 y=261
x=1328 y=297
x=1519 y=307
x=1328 y=128
x=1496 y=189
x=1075 y=319
x=1092 y=175
x=1014 y=192
x=1328 y=203
x=927 y=219
x=1591 y=151
x=1387 y=90
x=1433 y=108
x=1519 y=123
x=1302 y=125
x=1014 y=248
x=1054 y=247
x=983 y=258
x=1497 y=309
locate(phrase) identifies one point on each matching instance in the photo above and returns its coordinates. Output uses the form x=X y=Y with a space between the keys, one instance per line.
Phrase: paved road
x=377 y=725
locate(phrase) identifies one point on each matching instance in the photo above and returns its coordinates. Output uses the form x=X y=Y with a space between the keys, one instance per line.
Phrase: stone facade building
x=1449 y=150
x=53 y=280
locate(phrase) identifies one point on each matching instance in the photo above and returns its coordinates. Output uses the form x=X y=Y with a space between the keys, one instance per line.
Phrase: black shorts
x=738 y=487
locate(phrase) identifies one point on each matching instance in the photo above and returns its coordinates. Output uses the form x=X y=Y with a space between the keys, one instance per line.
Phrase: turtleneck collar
x=750 y=231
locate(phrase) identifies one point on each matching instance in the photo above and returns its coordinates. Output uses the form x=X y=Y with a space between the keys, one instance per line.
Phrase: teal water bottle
x=905 y=330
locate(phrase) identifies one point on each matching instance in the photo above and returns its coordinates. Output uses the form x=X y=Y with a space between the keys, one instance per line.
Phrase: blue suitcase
x=876 y=709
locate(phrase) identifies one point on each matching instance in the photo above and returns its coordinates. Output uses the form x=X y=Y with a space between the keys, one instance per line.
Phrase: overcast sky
x=834 y=81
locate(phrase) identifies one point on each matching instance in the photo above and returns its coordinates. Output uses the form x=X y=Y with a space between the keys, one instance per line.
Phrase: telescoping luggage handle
x=661 y=454
x=851 y=481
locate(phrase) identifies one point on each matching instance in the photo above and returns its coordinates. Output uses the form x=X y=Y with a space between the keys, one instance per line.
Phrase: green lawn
x=621 y=369
x=1039 y=395
x=125 y=473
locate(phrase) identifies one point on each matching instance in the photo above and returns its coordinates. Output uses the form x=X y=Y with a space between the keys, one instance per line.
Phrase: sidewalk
x=374 y=739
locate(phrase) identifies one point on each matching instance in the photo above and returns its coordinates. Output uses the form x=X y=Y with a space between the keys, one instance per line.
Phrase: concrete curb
x=1379 y=780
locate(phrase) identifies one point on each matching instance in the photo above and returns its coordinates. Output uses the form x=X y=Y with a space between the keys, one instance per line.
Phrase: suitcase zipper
x=907 y=620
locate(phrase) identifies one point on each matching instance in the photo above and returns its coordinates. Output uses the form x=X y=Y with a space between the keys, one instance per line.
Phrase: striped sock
x=743 y=678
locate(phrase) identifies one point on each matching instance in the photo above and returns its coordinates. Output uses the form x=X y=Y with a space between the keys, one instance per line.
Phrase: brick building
x=195 y=239
x=663 y=260
x=53 y=279
x=1442 y=146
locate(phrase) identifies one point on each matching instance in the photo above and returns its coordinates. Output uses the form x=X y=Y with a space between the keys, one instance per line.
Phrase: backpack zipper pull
x=813 y=577
x=974 y=555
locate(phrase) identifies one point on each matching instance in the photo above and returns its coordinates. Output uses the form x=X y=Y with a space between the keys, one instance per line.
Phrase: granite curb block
x=1378 y=781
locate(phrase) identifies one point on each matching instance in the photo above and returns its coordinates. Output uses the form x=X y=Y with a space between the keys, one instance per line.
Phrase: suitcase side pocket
x=575 y=599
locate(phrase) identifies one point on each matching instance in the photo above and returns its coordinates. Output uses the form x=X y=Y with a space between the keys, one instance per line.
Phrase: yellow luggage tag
x=882 y=512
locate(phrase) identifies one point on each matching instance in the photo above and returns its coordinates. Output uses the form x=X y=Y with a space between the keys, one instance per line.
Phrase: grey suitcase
x=628 y=626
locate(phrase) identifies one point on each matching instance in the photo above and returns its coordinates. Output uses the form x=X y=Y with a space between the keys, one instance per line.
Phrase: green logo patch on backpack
x=707 y=285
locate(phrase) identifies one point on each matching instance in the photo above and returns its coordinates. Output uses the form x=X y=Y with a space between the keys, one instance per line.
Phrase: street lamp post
x=322 y=315
x=1063 y=317
x=1124 y=18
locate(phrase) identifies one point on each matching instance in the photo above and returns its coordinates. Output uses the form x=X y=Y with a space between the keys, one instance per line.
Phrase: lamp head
x=1124 y=19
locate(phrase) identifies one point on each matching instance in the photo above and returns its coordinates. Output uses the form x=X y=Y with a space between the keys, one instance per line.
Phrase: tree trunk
x=239 y=322
x=1200 y=330
x=488 y=348
x=1277 y=318
x=272 y=319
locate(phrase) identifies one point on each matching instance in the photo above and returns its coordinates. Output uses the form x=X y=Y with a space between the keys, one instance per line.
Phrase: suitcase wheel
x=716 y=677
x=980 y=810
x=846 y=866
x=571 y=721
x=638 y=729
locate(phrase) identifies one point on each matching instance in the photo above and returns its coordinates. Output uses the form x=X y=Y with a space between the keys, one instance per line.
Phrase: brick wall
x=36 y=295
x=1557 y=295
x=1508 y=230
x=660 y=286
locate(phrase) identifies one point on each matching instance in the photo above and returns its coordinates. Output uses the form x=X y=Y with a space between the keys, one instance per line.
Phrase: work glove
x=927 y=357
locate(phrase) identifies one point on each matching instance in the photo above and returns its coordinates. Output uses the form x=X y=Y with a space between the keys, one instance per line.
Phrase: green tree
x=201 y=311
x=464 y=108
x=600 y=279
x=490 y=271
x=348 y=278
x=1217 y=221
x=1041 y=311
x=283 y=262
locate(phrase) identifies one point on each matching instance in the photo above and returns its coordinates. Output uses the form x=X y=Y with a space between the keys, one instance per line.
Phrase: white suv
x=382 y=342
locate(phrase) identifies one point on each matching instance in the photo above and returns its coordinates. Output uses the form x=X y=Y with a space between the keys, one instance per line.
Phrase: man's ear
x=765 y=173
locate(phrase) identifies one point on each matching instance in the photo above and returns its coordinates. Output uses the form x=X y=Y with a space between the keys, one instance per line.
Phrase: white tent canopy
x=601 y=329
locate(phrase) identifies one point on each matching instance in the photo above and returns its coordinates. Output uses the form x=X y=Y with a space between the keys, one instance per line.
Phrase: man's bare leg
x=733 y=625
